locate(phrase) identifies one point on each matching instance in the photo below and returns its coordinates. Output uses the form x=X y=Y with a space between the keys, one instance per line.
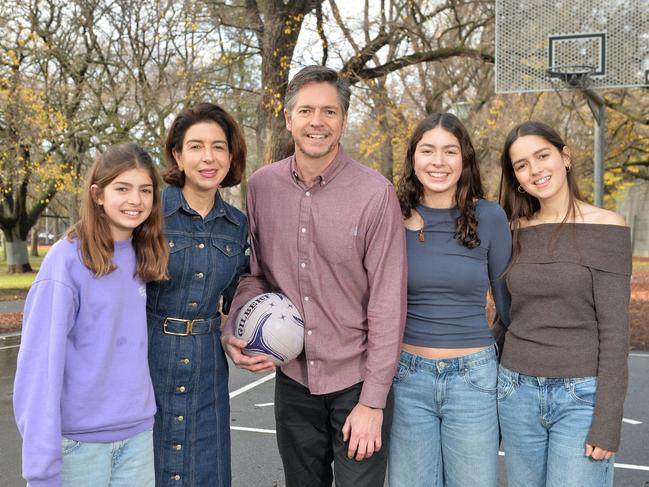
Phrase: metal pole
x=598 y=108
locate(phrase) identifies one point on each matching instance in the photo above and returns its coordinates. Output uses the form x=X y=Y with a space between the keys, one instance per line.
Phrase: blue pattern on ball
x=257 y=342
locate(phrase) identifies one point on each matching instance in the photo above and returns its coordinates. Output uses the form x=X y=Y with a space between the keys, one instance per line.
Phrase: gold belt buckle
x=189 y=324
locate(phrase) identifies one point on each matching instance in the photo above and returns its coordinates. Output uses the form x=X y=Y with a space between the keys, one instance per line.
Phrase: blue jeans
x=544 y=424
x=445 y=425
x=123 y=463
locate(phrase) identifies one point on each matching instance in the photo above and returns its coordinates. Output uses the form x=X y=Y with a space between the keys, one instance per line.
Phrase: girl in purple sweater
x=83 y=397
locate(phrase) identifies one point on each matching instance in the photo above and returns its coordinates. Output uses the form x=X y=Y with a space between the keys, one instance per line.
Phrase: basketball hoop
x=573 y=76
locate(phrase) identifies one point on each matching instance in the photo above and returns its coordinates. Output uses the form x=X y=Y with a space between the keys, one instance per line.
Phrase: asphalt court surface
x=255 y=461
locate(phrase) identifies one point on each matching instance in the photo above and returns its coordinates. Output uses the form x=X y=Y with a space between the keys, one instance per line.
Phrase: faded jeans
x=125 y=463
x=445 y=424
x=544 y=423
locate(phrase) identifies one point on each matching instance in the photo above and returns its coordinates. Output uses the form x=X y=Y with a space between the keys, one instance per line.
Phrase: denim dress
x=188 y=367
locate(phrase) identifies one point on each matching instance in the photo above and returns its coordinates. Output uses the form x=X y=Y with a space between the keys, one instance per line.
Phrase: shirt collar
x=174 y=200
x=337 y=165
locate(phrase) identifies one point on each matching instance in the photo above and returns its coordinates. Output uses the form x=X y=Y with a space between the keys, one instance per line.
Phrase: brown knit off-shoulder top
x=570 y=290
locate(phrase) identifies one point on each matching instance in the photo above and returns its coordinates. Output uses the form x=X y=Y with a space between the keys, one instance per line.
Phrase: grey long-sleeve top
x=570 y=292
x=448 y=282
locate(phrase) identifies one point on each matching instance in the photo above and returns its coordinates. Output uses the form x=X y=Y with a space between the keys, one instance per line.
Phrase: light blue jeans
x=544 y=424
x=445 y=424
x=126 y=463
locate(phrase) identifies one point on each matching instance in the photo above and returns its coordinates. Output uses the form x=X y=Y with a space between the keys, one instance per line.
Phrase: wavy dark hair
x=205 y=112
x=469 y=187
x=519 y=205
x=93 y=228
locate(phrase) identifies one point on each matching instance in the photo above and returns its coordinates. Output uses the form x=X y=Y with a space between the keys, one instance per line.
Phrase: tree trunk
x=17 y=258
x=34 y=242
x=282 y=25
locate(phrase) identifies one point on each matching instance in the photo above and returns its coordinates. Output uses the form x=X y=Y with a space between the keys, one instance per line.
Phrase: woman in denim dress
x=207 y=241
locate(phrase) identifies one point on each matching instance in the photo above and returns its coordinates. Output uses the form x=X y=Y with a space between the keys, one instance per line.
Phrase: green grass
x=640 y=264
x=15 y=286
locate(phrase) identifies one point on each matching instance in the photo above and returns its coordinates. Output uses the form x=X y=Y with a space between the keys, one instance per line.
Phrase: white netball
x=271 y=326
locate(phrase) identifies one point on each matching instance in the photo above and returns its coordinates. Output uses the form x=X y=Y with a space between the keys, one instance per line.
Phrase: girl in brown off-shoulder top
x=563 y=372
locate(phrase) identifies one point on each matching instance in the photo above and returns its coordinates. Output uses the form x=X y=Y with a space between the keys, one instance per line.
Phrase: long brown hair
x=93 y=228
x=469 y=187
x=205 y=112
x=520 y=205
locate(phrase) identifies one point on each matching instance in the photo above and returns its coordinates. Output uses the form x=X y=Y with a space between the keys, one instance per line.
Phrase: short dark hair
x=205 y=112
x=318 y=74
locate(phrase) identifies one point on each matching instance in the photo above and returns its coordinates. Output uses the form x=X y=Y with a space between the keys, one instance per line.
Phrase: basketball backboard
x=607 y=38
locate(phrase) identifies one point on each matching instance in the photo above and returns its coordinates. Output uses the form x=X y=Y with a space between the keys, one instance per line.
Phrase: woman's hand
x=597 y=453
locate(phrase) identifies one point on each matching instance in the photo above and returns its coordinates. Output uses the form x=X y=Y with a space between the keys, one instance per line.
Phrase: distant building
x=633 y=204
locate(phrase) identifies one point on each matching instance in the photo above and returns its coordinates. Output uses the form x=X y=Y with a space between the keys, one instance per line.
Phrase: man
x=327 y=232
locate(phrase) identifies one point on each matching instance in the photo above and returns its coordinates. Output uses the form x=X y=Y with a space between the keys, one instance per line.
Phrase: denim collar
x=173 y=201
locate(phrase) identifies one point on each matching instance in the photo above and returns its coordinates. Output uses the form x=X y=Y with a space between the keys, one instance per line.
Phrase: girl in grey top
x=458 y=247
x=563 y=372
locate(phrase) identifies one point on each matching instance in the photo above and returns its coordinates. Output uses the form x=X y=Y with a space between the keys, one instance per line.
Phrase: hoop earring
x=520 y=189
x=568 y=167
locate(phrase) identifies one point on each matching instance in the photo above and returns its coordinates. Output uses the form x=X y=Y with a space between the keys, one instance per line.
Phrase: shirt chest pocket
x=227 y=255
x=179 y=250
x=335 y=239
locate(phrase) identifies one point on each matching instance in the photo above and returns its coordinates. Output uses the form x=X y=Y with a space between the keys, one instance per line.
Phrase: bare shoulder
x=600 y=216
x=414 y=221
x=523 y=222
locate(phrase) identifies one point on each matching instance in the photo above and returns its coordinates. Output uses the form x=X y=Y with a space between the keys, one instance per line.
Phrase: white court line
x=253 y=430
x=646 y=355
x=632 y=467
x=631 y=421
x=264 y=404
x=252 y=385
x=10 y=335
x=8 y=347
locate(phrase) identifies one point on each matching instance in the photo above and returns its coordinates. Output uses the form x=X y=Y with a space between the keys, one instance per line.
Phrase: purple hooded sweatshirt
x=82 y=366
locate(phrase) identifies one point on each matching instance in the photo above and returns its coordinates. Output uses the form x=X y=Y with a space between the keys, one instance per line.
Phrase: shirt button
x=180 y=418
x=442 y=365
x=199 y=275
x=178 y=447
x=302 y=265
x=306 y=298
x=193 y=304
x=184 y=361
x=171 y=244
x=303 y=230
x=200 y=246
x=228 y=248
x=309 y=332
x=310 y=362
x=180 y=389
x=175 y=477
x=308 y=193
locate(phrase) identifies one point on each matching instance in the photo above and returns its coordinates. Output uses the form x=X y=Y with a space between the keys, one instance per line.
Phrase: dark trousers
x=310 y=439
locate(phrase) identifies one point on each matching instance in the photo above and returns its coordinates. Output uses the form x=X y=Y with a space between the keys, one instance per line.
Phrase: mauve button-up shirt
x=337 y=250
